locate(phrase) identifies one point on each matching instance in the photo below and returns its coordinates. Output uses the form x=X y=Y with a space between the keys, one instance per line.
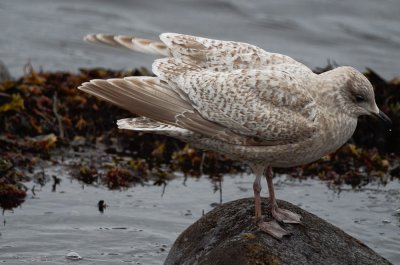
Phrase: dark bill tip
x=385 y=119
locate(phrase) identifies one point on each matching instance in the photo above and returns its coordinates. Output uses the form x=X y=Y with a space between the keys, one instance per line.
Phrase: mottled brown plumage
x=262 y=108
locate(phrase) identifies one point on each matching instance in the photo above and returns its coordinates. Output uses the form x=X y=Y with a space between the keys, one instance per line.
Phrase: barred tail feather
x=129 y=42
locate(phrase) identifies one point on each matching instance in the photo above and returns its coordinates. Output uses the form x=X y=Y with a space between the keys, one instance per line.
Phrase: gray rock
x=4 y=74
x=227 y=235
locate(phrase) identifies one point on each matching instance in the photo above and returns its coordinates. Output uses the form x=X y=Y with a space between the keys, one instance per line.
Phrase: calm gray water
x=360 y=33
x=139 y=226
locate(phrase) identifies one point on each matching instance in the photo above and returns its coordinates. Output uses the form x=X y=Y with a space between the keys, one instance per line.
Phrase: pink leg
x=272 y=227
x=279 y=214
x=257 y=197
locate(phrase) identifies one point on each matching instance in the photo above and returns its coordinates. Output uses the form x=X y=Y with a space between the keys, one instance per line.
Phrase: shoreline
x=44 y=118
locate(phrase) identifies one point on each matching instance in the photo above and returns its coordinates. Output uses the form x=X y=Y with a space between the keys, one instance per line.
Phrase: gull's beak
x=384 y=118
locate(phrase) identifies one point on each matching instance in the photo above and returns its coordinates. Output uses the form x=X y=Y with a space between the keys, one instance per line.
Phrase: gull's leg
x=279 y=214
x=257 y=197
x=272 y=227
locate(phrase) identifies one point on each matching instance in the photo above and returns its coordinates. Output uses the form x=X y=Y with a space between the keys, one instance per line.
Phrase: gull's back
x=226 y=96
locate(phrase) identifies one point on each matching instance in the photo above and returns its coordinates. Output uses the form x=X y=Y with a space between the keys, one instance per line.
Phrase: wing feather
x=231 y=91
x=206 y=53
x=148 y=96
x=129 y=42
x=268 y=104
x=221 y=55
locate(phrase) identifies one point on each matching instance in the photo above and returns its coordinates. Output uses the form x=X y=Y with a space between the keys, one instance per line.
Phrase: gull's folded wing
x=268 y=104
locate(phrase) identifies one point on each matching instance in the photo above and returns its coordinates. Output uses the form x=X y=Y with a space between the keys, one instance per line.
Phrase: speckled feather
x=267 y=104
x=234 y=98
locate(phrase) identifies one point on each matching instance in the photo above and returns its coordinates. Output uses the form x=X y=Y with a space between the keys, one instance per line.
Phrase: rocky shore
x=44 y=118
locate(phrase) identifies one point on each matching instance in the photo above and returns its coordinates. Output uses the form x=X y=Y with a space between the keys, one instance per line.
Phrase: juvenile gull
x=264 y=109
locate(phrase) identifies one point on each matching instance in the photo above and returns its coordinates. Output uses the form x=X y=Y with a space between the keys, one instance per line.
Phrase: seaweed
x=10 y=196
x=43 y=117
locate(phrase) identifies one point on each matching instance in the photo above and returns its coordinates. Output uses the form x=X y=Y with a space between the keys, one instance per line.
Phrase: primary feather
x=223 y=90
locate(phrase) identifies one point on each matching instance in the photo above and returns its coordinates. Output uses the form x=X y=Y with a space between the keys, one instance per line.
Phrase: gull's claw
x=273 y=228
x=285 y=216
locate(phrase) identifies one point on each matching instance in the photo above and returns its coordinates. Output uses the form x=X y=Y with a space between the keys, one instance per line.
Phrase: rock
x=73 y=256
x=4 y=74
x=227 y=235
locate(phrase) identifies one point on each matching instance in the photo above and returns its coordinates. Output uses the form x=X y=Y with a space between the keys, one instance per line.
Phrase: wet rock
x=73 y=256
x=227 y=235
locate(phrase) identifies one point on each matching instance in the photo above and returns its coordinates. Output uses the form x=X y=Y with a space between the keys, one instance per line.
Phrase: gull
x=264 y=109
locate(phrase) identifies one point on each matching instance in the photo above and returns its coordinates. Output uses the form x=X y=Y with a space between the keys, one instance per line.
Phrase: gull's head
x=358 y=95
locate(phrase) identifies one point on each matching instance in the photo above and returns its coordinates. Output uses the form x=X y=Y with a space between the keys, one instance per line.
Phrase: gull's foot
x=285 y=216
x=273 y=228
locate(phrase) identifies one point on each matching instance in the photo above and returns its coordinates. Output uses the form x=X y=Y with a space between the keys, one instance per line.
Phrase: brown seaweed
x=43 y=117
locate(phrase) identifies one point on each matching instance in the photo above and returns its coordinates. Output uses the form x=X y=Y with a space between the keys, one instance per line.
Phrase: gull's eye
x=359 y=99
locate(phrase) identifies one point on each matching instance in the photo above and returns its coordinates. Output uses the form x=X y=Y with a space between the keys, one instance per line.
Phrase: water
x=139 y=225
x=360 y=33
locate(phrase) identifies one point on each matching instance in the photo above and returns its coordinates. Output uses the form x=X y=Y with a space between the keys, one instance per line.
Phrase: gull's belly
x=281 y=156
x=334 y=135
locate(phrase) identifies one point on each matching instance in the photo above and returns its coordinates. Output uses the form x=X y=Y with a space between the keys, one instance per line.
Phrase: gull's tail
x=144 y=124
x=129 y=42
x=145 y=96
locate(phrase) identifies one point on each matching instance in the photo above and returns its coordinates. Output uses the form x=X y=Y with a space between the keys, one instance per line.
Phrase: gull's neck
x=329 y=88
x=328 y=94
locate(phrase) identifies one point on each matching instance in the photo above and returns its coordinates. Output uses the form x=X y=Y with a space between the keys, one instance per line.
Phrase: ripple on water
x=132 y=230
